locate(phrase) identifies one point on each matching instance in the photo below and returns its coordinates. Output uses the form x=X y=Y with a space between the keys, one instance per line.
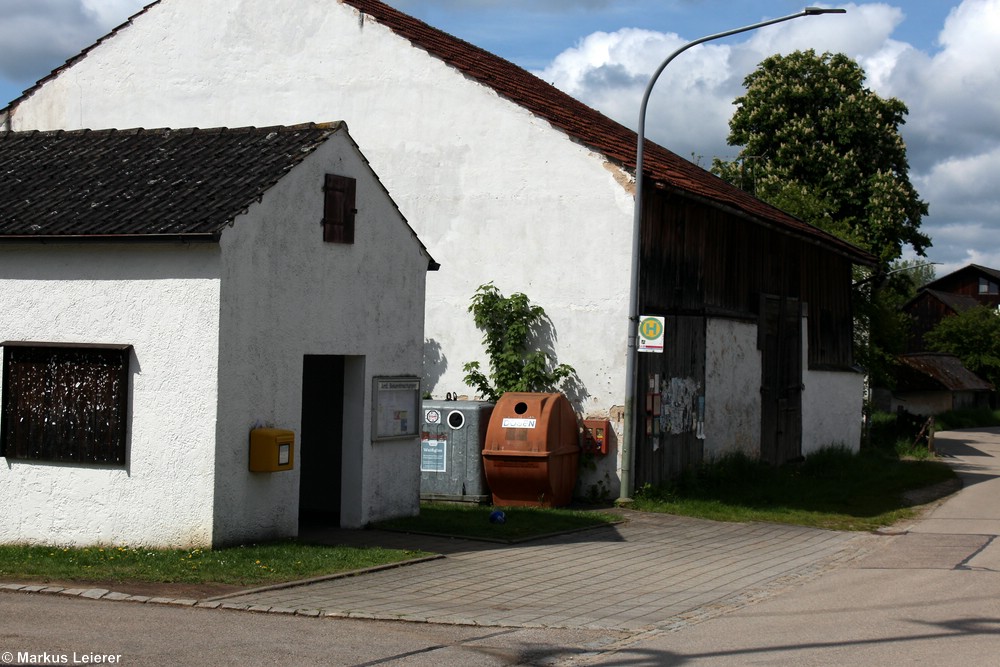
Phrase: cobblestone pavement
x=652 y=571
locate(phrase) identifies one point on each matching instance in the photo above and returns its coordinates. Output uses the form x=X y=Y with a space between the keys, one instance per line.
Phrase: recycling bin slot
x=532 y=450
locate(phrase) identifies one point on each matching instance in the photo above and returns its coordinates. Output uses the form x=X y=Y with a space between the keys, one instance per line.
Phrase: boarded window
x=64 y=402
x=339 y=209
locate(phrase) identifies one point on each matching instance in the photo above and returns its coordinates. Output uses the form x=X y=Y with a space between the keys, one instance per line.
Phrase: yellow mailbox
x=271 y=450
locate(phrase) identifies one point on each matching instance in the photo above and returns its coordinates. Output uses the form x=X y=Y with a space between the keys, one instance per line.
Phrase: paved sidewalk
x=652 y=571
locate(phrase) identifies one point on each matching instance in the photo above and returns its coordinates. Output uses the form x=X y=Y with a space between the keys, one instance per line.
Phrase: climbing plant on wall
x=511 y=327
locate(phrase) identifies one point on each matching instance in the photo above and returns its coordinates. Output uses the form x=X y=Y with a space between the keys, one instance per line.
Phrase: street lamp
x=633 y=308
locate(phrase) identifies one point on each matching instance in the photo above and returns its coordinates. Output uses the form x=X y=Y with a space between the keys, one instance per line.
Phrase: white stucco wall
x=925 y=403
x=164 y=301
x=732 y=388
x=831 y=405
x=286 y=294
x=495 y=192
x=831 y=400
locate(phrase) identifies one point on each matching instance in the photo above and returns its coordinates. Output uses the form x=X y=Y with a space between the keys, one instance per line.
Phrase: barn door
x=780 y=343
x=671 y=403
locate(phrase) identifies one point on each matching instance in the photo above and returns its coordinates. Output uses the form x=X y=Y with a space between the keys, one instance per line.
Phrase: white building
x=165 y=292
x=510 y=181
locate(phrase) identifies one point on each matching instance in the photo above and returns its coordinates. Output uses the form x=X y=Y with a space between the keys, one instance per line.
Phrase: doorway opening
x=321 y=446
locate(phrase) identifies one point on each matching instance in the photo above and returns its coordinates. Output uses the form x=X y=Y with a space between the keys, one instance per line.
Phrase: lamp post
x=628 y=438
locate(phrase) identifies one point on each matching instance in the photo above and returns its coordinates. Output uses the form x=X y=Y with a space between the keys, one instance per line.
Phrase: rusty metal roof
x=576 y=119
x=169 y=184
x=930 y=370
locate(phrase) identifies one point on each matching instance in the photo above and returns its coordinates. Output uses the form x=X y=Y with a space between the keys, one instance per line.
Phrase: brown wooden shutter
x=339 y=209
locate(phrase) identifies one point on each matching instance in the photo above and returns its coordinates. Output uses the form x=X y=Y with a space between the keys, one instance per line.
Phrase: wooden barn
x=756 y=304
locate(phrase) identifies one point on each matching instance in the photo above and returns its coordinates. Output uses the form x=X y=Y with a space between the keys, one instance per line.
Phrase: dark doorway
x=322 y=446
x=780 y=343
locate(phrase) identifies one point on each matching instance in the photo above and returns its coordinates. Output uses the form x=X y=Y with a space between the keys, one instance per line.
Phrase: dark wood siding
x=699 y=259
x=779 y=339
x=700 y=262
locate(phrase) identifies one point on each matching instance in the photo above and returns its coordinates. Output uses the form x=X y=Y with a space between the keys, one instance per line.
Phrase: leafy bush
x=510 y=326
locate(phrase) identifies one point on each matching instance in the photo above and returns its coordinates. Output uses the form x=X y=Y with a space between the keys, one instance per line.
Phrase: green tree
x=510 y=326
x=816 y=143
x=916 y=272
x=974 y=337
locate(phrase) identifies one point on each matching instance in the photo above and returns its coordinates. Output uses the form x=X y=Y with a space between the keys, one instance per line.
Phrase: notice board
x=396 y=407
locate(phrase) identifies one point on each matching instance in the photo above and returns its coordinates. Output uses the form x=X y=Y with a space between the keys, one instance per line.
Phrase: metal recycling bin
x=451 y=446
x=532 y=450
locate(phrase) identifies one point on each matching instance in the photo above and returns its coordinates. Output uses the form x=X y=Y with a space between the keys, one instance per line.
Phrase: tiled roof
x=149 y=183
x=576 y=119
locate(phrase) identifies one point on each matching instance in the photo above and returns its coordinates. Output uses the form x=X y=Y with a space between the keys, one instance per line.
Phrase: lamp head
x=813 y=11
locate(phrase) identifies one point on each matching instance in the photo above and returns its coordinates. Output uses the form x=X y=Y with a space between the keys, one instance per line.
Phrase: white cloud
x=964 y=189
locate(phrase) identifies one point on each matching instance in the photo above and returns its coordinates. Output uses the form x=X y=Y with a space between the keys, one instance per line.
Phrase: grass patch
x=833 y=489
x=473 y=521
x=253 y=565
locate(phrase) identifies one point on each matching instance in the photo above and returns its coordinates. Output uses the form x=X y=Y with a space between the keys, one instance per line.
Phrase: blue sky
x=938 y=56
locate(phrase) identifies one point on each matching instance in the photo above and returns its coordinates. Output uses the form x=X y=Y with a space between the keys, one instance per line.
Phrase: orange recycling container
x=532 y=450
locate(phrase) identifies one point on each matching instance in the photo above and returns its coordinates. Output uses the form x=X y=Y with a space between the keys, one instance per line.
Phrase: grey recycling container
x=451 y=447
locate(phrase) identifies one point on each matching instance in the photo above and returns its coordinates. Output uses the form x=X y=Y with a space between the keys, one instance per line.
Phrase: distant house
x=929 y=384
x=962 y=290
x=513 y=181
x=165 y=292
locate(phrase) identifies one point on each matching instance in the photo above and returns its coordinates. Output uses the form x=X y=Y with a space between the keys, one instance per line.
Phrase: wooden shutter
x=339 y=209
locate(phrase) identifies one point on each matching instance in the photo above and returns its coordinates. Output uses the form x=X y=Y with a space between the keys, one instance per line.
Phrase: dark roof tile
x=124 y=183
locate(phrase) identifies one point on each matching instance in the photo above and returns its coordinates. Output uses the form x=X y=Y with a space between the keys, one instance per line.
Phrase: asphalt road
x=33 y=626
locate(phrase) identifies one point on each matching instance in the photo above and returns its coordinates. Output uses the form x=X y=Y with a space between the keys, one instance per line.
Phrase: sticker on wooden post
x=651 y=330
